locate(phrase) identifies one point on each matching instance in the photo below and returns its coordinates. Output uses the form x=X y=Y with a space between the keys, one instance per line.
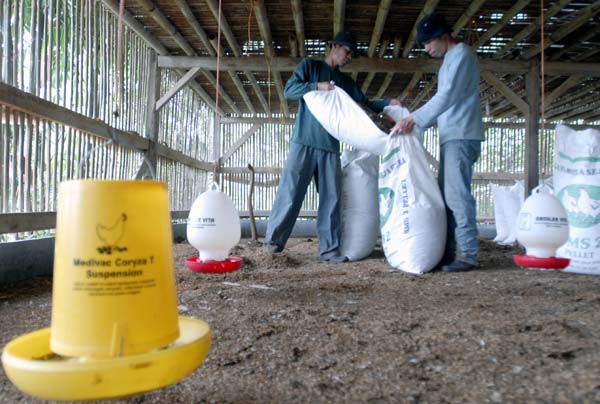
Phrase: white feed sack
x=507 y=204
x=411 y=209
x=577 y=185
x=360 y=208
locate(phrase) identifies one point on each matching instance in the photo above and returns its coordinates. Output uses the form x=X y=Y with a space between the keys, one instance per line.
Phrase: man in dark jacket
x=315 y=153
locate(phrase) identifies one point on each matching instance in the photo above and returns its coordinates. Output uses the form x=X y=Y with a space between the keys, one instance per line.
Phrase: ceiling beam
x=168 y=27
x=423 y=93
x=382 y=13
x=428 y=8
x=138 y=28
x=389 y=76
x=530 y=29
x=466 y=16
x=506 y=92
x=210 y=43
x=259 y=64
x=262 y=19
x=497 y=27
x=298 y=15
x=581 y=17
x=561 y=89
x=237 y=51
x=591 y=33
x=234 y=76
x=339 y=15
x=371 y=75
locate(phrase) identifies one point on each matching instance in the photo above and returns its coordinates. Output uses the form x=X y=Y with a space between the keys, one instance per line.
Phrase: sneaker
x=458 y=266
x=272 y=248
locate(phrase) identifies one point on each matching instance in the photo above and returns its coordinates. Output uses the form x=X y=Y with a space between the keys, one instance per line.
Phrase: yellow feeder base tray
x=36 y=370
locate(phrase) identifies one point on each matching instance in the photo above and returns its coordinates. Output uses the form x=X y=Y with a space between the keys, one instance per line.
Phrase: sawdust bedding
x=289 y=328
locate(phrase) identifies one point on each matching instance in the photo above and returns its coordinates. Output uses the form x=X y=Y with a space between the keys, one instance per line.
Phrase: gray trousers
x=302 y=164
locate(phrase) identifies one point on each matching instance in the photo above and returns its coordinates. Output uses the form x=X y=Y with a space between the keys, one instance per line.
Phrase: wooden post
x=152 y=120
x=532 y=90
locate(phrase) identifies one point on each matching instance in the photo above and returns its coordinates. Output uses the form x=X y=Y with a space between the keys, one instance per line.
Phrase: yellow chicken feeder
x=115 y=329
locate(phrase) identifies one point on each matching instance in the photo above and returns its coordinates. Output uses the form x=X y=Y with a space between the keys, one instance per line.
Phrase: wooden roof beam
x=382 y=12
x=166 y=25
x=494 y=29
x=582 y=17
x=428 y=8
x=298 y=16
x=339 y=15
x=576 y=42
x=211 y=46
x=259 y=64
x=237 y=51
x=466 y=16
x=138 y=28
x=423 y=93
x=530 y=29
x=262 y=19
x=371 y=75
x=389 y=76
x=506 y=92
x=234 y=76
x=561 y=89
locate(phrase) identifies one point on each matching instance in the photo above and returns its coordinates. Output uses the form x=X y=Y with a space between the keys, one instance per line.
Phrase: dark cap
x=345 y=39
x=432 y=26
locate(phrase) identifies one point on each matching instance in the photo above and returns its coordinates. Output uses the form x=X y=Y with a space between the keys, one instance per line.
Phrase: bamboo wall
x=64 y=51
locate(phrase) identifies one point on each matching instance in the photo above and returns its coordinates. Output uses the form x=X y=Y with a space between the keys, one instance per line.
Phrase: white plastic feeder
x=542 y=227
x=213 y=226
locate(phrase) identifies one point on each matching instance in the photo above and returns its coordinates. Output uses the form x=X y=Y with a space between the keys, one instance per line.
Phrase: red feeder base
x=542 y=263
x=230 y=264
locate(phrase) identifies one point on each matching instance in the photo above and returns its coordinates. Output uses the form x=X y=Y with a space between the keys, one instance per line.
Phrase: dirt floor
x=290 y=329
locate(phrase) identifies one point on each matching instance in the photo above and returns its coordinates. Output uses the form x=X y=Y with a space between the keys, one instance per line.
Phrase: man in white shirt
x=456 y=109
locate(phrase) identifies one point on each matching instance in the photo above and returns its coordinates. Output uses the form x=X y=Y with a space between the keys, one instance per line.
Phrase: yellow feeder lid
x=36 y=370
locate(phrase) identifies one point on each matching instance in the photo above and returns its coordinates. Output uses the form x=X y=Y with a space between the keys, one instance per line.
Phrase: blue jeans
x=457 y=158
x=302 y=164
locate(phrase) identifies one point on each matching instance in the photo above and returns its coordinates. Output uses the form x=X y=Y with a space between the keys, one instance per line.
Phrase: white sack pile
x=577 y=185
x=411 y=209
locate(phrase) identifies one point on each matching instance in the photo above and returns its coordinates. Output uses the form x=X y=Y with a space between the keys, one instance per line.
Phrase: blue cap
x=345 y=39
x=432 y=26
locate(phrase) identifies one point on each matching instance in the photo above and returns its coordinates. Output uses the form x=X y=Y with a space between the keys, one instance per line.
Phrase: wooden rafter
x=211 y=48
x=298 y=15
x=367 y=82
x=166 y=25
x=138 y=28
x=237 y=51
x=382 y=13
x=265 y=30
x=389 y=76
x=581 y=18
x=466 y=16
x=561 y=89
x=423 y=93
x=339 y=15
x=591 y=33
x=530 y=29
x=506 y=17
x=506 y=91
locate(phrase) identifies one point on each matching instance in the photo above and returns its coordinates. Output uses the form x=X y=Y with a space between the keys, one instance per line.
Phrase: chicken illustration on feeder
x=213 y=228
x=115 y=328
x=542 y=228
